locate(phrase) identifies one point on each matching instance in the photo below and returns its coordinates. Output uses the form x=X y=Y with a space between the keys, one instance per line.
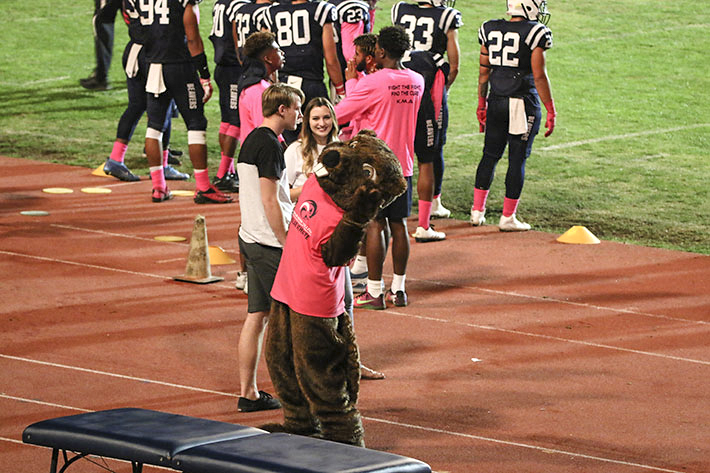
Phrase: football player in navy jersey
x=433 y=26
x=176 y=55
x=304 y=32
x=353 y=21
x=136 y=70
x=226 y=75
x=247 y=19
x=512 y=80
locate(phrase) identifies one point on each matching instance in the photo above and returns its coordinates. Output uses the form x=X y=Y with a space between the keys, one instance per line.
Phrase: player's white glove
x=207 y=87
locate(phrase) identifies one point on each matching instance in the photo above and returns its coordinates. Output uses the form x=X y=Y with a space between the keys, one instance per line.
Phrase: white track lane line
x=475 y=288
x=417 y=427
x=549 y=337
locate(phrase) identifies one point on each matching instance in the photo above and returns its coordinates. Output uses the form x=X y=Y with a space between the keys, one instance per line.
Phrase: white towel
x=132 y=62
x=517 y=120
x=155 y=84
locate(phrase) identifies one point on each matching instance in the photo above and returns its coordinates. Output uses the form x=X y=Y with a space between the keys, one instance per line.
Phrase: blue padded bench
x=195 y=445
x=292 y=454
x=137 y=435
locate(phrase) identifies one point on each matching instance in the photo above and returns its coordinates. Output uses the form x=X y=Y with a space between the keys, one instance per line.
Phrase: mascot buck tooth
x=311 y=351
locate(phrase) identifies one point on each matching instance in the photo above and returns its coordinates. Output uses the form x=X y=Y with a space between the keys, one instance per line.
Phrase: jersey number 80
x=292 y=28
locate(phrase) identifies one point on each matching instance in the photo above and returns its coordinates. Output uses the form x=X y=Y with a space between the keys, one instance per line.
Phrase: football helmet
x=439 y=3
x=529 y=9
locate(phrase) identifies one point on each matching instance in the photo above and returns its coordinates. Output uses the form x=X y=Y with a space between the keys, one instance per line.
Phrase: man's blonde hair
x=279 y=94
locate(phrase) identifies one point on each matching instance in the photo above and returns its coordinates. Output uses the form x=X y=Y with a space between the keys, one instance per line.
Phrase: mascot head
x=343 y=167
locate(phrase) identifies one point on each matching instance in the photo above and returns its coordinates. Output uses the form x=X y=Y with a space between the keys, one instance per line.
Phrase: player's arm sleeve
x=355 y=104
x=350 y=31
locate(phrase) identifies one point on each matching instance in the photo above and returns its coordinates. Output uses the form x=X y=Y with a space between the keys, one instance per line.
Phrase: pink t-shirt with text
x=303 y=281
x=387 y=101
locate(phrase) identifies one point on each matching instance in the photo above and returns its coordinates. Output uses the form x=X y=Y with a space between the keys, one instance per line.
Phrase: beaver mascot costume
x=310 y=347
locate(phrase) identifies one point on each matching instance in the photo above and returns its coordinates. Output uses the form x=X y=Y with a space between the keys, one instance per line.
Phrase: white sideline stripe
x=560 y=301
x=550 y=337
x=572 y=144
x=34 y=82
x=521 y=445
x=115 y=375
x=417 y=427
x=493 y=291
x=95 y=266
x=122 y=235
x=43 y=403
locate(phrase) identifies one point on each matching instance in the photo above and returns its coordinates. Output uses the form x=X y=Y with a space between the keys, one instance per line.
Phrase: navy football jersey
x=349 y=11
x=299 y=33
x=426 y=27
x=221 y=34
x=249 y=18
x=136 y=31
x=510 y=45
x=165 y=38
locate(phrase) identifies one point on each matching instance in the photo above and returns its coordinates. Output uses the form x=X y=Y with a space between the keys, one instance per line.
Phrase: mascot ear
x=331 y=158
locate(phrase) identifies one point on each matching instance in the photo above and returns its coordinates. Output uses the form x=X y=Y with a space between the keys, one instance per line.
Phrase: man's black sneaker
x=94 y=83
x=265 y=402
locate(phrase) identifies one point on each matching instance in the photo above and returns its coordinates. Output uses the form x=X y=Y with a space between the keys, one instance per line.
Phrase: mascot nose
x=331 y=159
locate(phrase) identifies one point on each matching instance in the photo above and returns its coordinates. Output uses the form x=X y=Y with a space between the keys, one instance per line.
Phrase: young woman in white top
x=319 y=128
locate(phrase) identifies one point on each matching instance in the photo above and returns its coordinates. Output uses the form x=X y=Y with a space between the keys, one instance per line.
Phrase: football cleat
x=172 y=174
x=119 y=171
x=398 y=299
x=227 y=183
x=438 y=210
x=161 y=195
x=512 y=224
x=478 y=217
x=212 y=196
x=424 y=235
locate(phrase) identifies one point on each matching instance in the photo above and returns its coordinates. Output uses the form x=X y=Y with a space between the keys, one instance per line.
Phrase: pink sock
x=509 y=206
x=224 y=165
x=158 y=178
x=479 y=199
x=202 y=179
x=166 y=154
x=424 y=213
x=118 y=152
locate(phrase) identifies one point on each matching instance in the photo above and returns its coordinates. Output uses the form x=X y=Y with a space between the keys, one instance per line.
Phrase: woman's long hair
x=309 y=145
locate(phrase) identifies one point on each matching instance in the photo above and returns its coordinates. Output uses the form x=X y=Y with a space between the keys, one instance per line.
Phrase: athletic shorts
x=262 y=262
x=401 y=207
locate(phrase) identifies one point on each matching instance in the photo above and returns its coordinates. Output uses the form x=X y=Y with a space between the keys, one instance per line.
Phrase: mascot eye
x=369 y=172
x=353 y=144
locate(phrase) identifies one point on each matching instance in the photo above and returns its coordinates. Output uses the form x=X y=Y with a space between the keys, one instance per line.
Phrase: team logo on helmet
x=307 y=209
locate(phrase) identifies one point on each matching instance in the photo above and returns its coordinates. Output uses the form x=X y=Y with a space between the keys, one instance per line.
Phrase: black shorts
x=262 y=263
x=227 y=78
x=183 y=85
x=401 y=207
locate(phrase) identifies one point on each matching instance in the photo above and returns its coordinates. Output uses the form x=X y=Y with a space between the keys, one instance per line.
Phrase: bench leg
x=67 y=461
x=55 y=458
x=137 y=467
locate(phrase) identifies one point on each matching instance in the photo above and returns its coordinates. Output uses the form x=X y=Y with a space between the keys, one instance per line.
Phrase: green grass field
x=629 y=158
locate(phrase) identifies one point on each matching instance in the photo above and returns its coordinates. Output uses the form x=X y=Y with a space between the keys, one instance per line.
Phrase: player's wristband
x=550 y=107
x=200 y=62
x=340 y=89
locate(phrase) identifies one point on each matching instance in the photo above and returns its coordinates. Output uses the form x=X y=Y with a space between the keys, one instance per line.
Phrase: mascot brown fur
x=310 y=348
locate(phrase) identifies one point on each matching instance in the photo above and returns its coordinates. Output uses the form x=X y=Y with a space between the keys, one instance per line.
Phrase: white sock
x=398 y=282
x=360 y=265
x=375 y=288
